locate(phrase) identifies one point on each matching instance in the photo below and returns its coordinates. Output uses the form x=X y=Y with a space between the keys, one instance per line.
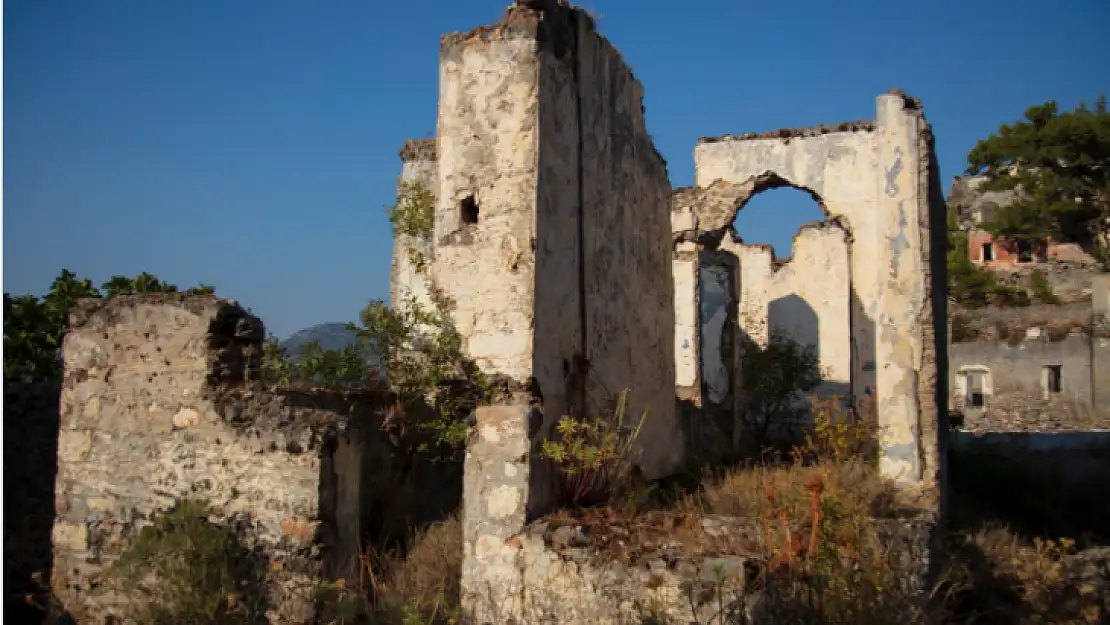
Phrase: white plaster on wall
x=686 y=322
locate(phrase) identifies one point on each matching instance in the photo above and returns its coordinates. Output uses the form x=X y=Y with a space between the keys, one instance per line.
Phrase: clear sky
x=252 y=144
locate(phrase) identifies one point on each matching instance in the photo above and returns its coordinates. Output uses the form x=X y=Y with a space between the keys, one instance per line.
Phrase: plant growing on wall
x=413 y=216
x=1042 y=288
x=436 y=385
x=592 y=456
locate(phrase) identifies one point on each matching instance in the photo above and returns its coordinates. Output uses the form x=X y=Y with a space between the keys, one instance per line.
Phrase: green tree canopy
x=34 y=327
x=1059 y=163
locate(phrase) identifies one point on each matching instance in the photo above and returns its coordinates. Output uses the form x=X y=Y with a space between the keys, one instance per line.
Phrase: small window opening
x=988 y=253
x=1053 y=378
x=976 y=383
x=468 y=210
x=1025 y=250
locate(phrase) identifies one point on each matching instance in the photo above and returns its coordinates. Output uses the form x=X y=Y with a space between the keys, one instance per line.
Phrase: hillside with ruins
x=591 y=396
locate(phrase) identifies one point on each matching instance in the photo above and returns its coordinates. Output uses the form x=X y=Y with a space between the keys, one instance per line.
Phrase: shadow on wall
x=30 y=466
x=793 y=317
x=779 y=381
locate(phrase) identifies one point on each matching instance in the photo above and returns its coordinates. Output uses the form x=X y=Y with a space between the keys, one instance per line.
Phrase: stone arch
x=745 y=294
x=712 y=210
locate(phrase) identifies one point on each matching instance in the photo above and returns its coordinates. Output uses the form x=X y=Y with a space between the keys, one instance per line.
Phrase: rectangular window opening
x=1053 y=378
x=988 y=253
x=1025 y=249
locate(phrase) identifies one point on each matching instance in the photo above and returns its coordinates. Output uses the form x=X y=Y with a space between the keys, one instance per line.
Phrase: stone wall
x=647 y=571
x=562 y=283
x=556 y=280
x=1004 y=362
x=879 y=182
x=1019 y=368
x=159 y=403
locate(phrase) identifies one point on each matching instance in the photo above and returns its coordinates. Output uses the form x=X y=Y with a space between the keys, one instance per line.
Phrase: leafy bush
x=436 y=384
x=184 y=569
x=413 y=215
x=774 y=381
x=963 y=329
x=592 y=457
x=1042 y=288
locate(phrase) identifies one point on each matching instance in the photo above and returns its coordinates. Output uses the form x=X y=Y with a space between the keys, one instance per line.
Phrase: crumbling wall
x=541 y=125
x=158 y=404
x=626 y=227
x=684 y=269
x=879 y=181
x=807 y=299
x=563 y=283
x=645 y=571
x=407 y=277
x=1017 y=397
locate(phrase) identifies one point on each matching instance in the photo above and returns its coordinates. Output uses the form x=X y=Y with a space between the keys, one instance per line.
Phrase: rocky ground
x=1019 y=412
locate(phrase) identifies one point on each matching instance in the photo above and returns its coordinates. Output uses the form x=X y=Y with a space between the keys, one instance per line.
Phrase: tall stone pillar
x=910 y=346
x=552 y=249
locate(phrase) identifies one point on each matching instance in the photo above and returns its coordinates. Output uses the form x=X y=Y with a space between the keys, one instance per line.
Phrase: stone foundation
x=686 y=570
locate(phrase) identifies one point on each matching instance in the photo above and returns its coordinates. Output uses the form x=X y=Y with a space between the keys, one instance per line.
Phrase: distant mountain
x=328 y=335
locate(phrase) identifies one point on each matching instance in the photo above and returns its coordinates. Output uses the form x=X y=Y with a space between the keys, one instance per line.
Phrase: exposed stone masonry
x=160 y=402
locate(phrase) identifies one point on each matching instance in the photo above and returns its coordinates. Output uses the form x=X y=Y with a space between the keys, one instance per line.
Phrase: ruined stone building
x=569 y=264
x=571 y=269
x=1037 y=368
x=558 y=237
x=976 y=206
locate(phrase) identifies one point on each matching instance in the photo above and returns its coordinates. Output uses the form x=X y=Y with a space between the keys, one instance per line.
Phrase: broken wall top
x=551 y=23
x=418 y=150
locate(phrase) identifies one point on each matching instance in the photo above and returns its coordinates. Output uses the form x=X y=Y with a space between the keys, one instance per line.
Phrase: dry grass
x=415 y=586
x=423 y=584
x=993 y=576
x=743 y=493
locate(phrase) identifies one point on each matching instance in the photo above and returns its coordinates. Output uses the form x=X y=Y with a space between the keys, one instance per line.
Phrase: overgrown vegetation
x=592 y=457
x=413 y=217
x=185 y=569
x=1042 y=288
x=1060 y=164
x=417 y=586
x=34 y=327
x=971 y=285
x=774 y=397
x=420 y=352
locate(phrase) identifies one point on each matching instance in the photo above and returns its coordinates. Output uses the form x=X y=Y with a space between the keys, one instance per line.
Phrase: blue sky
x=253 y=144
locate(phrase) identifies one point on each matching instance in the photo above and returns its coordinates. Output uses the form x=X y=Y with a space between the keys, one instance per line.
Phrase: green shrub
x=592 y=456
x=186 y=570
x=1042 y=288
